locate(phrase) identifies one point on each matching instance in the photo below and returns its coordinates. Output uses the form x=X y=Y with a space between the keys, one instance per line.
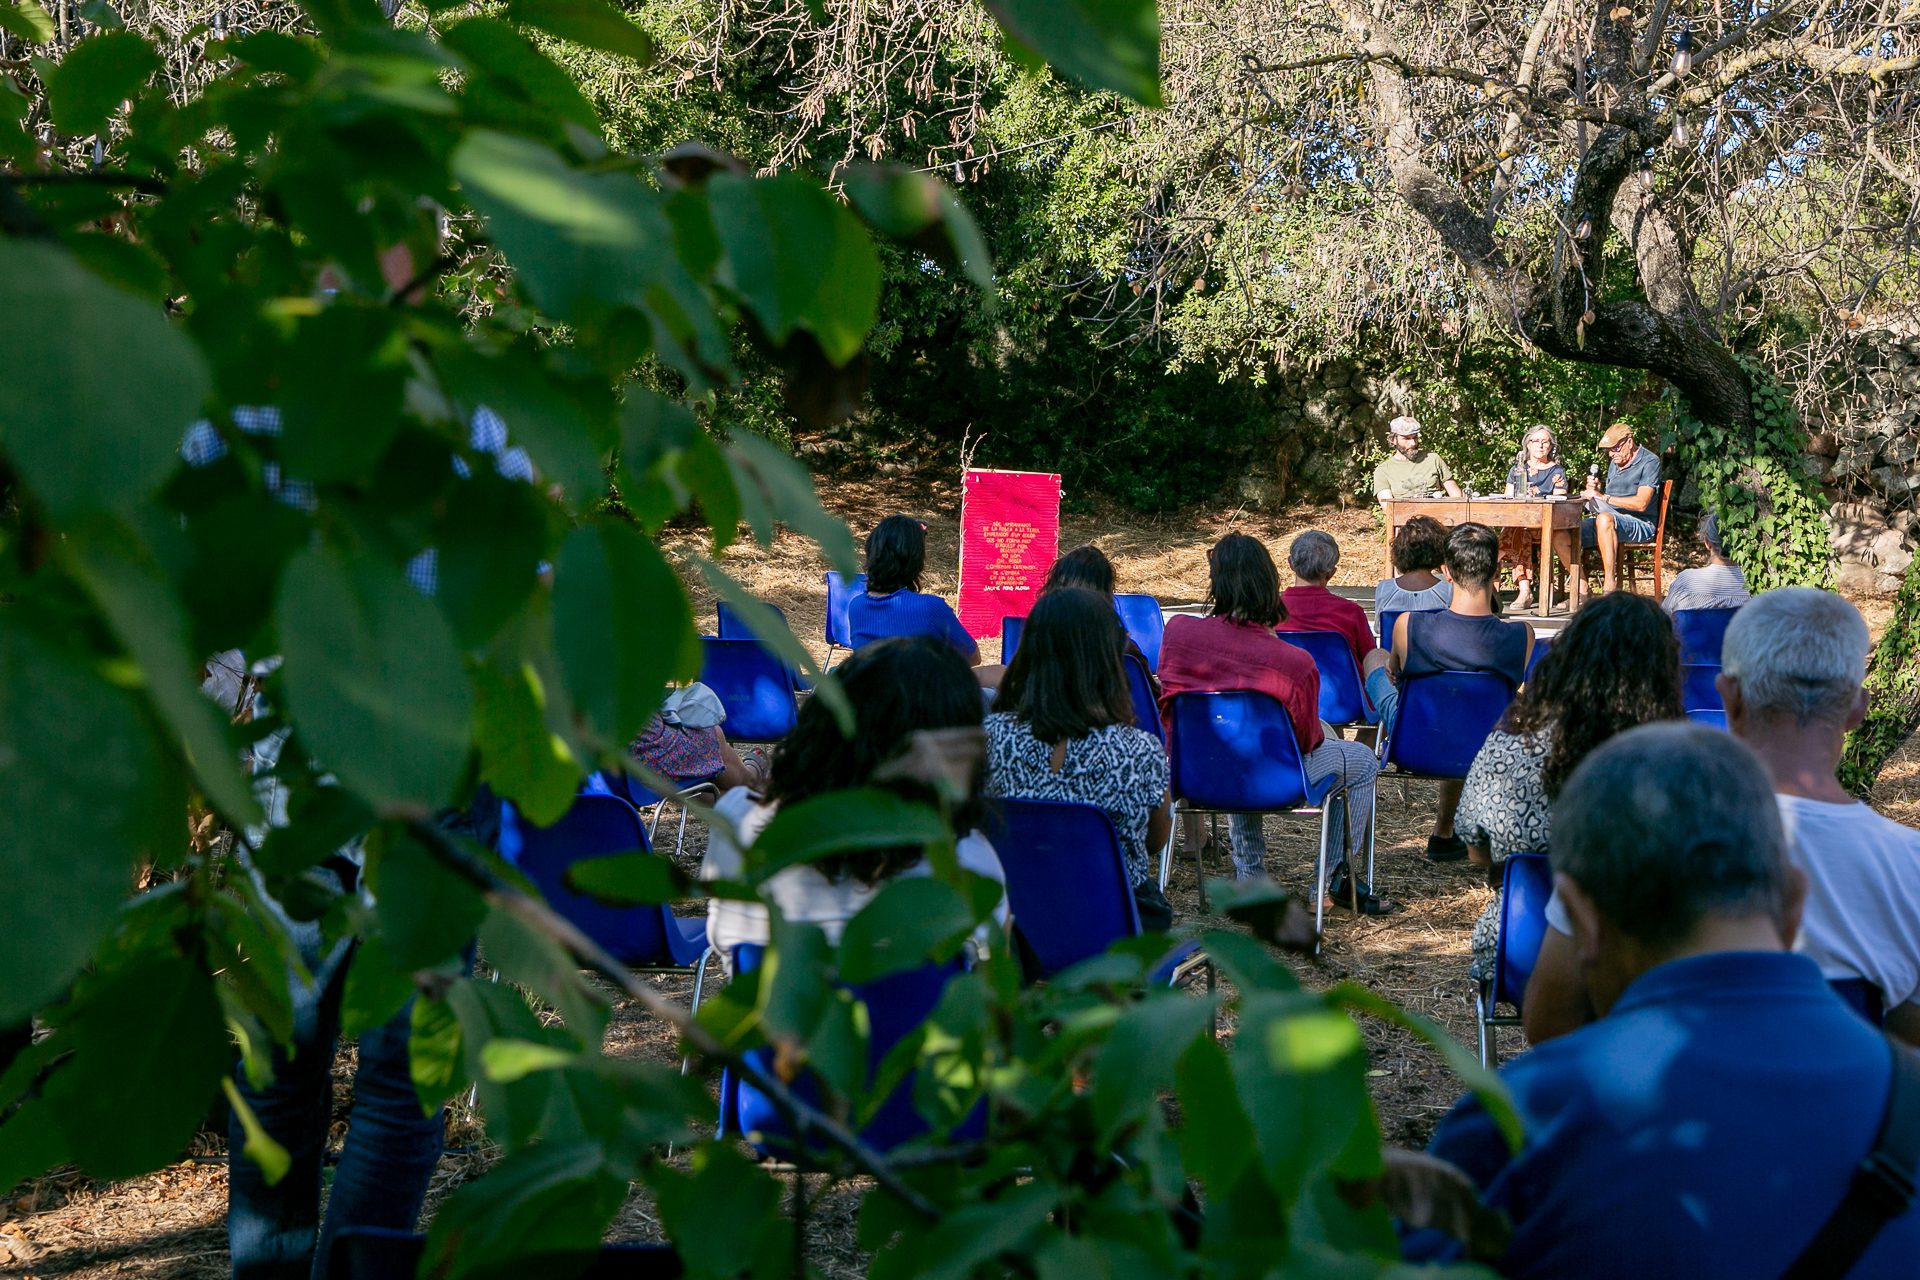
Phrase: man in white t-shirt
x=1792 y=668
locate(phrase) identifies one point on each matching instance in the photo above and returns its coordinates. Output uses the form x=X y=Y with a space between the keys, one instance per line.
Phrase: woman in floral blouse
x=1616 y=665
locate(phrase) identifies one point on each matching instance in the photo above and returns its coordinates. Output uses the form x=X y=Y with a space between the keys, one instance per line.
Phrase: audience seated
x=690 y=754
x=1314 y=558
x=1793 y=664
x=1617 y=665
x=1235 y=647
x=1468 y=635
x=1419 y=548
x=1718 y=584
x=898 y=687
x=1063 y=729
x=1790 y=676
x=893 y=604
x=1710 y=1122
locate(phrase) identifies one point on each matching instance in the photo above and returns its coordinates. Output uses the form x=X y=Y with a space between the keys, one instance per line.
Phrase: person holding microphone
x=1620 y=510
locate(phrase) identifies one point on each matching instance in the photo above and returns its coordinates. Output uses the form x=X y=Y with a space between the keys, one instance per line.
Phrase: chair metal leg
x=1200 y=860
x=699 y=984
x=1489 y=1054
x=1166 y=853
x=1373 y=830
x=1320 y=875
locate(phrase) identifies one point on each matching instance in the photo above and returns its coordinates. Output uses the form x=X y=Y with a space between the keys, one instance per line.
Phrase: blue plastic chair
x=1236 y=753
x=1146 y=705
x=1444 y=718
x=1862 y=997
x=1067 y=884
x=1712 y=717
x=380 y=1253
x=896 y=1004
x=1390 y=616
x=1702 y=632
x=1698 y=692
x=1343 y=696
x=648 y=939
x=840 y=593
x=1141 y=616
x=753 y=685
x=1524 y=890
x=733 y=627
x=1010 y=629
x=1541 y=643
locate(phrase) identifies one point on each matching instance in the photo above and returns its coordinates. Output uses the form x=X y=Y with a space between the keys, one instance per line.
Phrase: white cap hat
x=1404 y=425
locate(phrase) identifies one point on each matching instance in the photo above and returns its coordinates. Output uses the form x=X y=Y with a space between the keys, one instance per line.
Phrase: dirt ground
x=172 y=1223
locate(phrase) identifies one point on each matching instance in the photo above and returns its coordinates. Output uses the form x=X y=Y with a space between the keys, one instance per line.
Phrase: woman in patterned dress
x=1616 y=665
x=1063 y=729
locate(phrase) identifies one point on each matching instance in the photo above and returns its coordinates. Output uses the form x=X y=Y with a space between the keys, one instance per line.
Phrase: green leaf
x=914 y=920
x=435 y=1045
x=593 y=23
x=26 y=19
x=491 y=544
x=373 y=681
x=622 y=627
x=340 y=402
x=568 y=441
x=89 y=793
x=427 y=913
x=799 y=259
x=520 y=758
x=260 y=1146
x=528 y=958
x=292 y=56
x=139 y=603
x=154 y=1021
x=775 y=487
x=579 y=241
x=1104 y=44
x=508 y=64
x=508 y=1060
x=376 y=989
x=95 y=77
x=631 y=879
x=100 y=388
x=921 y=210
x=1139 y=1058
x=542 y=1207
x=124 y=264
x=662 y=445
x=719 y=1213
x=843 y=822
x=1486 y=1085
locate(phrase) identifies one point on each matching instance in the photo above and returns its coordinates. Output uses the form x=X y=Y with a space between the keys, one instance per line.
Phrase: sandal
x=1356 y=895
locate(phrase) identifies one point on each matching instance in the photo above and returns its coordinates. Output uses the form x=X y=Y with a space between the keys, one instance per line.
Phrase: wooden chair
x=1631 y=551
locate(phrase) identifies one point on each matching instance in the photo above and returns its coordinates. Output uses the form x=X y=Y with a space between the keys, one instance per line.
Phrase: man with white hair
x=1728 y=1117
x=1411 y=472
x=1791 y=672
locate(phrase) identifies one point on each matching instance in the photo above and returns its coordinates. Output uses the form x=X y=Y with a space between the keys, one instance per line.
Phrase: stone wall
x=1868 y=456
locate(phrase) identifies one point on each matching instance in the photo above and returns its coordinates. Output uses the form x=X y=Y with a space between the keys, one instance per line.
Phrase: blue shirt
x=905 y=613
x=1643 y=470
x=1705 y=1128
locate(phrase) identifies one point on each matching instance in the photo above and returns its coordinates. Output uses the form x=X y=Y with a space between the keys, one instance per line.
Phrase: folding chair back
x=1712 y=717
x=1141 y=616
x=1445 y=716
x=1067 y=883
x=1390 y=616
x=1540 y=646
x=753 y=685
x=1698 y=692
x=1146 y=706
x=1010 y=629
x=1862 y=997
x=1525 y=888
x=1236 y=753
x=599 y=826
x=733 y=627
x=381 y=1253
x=896 y=1005
x=1702 y=632
x=840 y=593
x=1343 y=698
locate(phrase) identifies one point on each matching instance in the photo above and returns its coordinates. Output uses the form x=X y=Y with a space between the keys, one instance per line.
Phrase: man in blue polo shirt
x=1712 y=1119
x=1621 y=513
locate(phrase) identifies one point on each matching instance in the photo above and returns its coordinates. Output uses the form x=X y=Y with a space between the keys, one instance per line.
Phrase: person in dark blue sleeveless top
x=1468 y=635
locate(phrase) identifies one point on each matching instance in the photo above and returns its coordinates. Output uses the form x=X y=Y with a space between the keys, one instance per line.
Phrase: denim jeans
x=1629 y=526
x=275 y=1233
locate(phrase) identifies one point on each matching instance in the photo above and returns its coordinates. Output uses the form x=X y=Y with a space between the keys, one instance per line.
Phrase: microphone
x=1593 y=471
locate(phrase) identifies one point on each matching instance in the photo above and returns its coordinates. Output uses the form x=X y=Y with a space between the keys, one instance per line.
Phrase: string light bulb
x=1646 y=174
x=1584 y=230
x=1682 y=51
x=1679 y=131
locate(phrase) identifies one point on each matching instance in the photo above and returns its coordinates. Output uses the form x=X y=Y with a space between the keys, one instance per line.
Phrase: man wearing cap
x=1411 y=472
x=1620 y=514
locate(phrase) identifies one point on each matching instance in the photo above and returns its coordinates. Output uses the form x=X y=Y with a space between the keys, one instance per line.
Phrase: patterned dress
x=1120 y=768
x=1504 y=808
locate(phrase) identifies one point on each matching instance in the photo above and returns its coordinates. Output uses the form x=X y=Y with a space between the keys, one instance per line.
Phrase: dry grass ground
x=172 y=1223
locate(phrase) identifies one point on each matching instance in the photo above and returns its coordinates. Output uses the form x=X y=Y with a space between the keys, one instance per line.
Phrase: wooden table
x=1544 y=514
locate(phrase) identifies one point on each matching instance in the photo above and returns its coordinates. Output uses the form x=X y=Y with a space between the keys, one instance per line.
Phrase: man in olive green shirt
x=1411 y=472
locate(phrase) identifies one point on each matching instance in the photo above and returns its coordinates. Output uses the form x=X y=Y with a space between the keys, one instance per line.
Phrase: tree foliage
x=348 y=248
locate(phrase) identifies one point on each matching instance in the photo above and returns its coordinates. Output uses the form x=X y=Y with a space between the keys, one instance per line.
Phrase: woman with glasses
x=1537 y=472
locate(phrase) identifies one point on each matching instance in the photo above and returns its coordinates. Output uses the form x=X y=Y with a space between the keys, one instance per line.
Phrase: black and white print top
x=1504 y=805
x=1119 y=768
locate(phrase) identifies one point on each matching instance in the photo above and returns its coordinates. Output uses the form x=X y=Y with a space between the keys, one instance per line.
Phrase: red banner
x=1009 y=536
